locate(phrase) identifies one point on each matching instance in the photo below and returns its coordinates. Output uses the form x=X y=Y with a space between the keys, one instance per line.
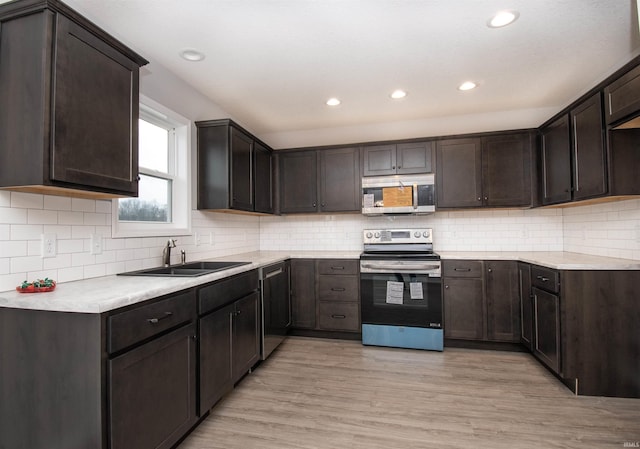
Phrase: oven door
x=401 y=299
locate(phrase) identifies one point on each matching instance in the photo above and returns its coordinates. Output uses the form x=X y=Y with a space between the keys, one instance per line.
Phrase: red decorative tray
x=41 y=286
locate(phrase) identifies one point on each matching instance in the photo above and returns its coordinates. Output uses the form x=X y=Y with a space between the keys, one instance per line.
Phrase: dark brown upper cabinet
x=489 y=171
x=622 y=100
x=555 y=150
x=323 y=180
x=589 y=151
x=573 y=155
x=234 y=169
x=397 y=159
x=68 y=104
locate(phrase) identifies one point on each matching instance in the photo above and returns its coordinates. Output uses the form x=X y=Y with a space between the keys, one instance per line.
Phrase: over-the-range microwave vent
x=398 y=195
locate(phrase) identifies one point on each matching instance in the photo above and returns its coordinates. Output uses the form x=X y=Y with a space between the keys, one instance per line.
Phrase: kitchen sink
x=191 y=269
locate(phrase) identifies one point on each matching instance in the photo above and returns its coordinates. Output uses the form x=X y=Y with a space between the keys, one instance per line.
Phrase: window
x=162 y=207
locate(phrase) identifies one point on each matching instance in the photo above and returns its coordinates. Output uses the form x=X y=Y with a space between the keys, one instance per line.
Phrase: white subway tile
x=61 y=231
x=5 y=265
x=94 y=271
x=26 y=200
x=5 y=232
x=83 y=205
x=82 y=232
x=38 y=216
x=70 y=218
x=9 y=215
x=103 y=206
x=95 y=219
x=69 y=246
x=13 y=248
x=34 y=248
x=27 y=263
x=5 y=198
x=60 y=261
x=26 y=232
x=58 y=203
x=80 y=259
x=115 y=268
x=70 y=274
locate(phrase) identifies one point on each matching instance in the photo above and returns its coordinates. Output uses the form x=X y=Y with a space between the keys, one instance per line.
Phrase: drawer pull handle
x=163 y=317
x=337 y=268
x=542 y=278
x=462 y=269
x=339 y=317
x=337 y=289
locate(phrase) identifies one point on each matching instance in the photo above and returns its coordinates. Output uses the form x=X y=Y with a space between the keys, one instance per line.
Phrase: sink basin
x=187 y=270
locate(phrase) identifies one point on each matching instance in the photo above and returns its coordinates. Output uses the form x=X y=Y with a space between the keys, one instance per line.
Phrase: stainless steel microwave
x=398 y=194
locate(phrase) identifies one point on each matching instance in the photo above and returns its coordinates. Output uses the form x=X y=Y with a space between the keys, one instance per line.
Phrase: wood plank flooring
x=331 y=394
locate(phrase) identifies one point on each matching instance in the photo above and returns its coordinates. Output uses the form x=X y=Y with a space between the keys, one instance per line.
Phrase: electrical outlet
x=96 y=244
x=211 y=240
x=197 y=238
x=48 y=245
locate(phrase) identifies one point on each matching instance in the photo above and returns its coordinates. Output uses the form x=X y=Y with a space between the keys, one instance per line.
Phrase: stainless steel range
x=401 y=289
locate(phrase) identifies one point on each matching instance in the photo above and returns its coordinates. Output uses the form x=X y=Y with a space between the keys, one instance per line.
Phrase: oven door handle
x=391 y=268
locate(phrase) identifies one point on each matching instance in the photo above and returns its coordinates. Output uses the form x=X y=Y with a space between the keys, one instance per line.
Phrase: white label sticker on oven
x=394 y=292
x=416 y=290
x=367 y=200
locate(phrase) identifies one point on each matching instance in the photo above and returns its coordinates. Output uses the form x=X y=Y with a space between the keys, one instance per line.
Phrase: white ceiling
x=272 y=64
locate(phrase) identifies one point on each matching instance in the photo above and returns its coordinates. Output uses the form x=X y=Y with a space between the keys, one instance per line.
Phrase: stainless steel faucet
x=166 y=252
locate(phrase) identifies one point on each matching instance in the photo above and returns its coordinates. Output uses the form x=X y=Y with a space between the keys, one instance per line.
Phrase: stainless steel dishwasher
x=276 y=305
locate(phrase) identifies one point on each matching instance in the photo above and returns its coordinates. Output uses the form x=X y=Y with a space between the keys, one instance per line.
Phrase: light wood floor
x=333 y=394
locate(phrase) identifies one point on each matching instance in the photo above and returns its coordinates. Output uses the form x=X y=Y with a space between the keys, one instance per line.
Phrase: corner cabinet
x=489 y=171
x=323 y=180
x=234 y=169
x=68 y=104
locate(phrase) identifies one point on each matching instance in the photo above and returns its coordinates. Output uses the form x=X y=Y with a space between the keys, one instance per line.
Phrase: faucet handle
x=172 y=243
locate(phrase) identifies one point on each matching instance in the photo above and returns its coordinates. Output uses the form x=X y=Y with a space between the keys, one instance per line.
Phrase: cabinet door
x=503 y=301
x=556 y=162
x=589 y=168
x=622 y=97
x=276 y=306
x=215 y=357
x=263 y=179
x=95 y=129
x=298 y=182
x=241 y=191
x=340 y=180
x=303 y=293
x=526 y=305
x=463 y=308
x=245 y=343
x=546 y=308
x=414 y=158
x=506 y=170
x=459 y=173
x=152 y=394
x=378 y=160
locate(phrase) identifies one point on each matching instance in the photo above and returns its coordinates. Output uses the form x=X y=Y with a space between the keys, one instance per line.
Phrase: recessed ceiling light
x=333 y=102
x=503 y=18
x=192 y=55
x=397 y=94
x=467 y=85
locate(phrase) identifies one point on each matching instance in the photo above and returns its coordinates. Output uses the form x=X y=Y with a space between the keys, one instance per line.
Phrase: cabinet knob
x=393 y=166
x=399 y=166
x=446 y=286
x=486 y=198
x=479 y=199
x=323 y=204
x=138 y=178
x=314 y=204
x=490 y=270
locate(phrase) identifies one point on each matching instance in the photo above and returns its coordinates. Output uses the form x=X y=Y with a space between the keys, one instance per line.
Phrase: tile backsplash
x=25 y=217
x=610 y=229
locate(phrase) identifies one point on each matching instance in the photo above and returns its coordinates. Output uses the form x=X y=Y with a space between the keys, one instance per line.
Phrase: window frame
x=179 y=173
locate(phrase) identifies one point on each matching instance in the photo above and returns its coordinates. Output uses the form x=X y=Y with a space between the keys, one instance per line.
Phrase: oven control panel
x=395 y=236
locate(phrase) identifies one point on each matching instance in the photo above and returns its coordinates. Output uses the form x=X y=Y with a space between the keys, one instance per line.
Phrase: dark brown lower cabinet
x=152 y=392
x=463 y=308
x=546 y=311
x=245 y=342
x=526 y=305
x=481 y=300
x=215 y=357
x=303 y=293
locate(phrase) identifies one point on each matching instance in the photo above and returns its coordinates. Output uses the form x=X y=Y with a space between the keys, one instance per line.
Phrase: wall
x=609 y=229
x=495 y=230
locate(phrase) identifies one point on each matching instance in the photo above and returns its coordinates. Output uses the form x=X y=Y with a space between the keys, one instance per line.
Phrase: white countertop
x=106 y=293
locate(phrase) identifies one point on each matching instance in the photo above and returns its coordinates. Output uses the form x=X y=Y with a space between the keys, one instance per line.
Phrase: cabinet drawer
x=338 y=266
x=339 y=316
x=132 y=326
x=338 y=288
x=462 y=268
x=225 y=291
x=545 y=279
